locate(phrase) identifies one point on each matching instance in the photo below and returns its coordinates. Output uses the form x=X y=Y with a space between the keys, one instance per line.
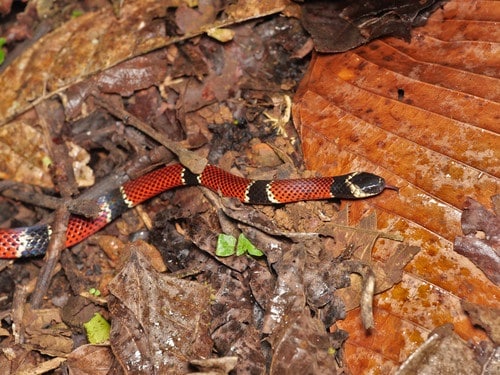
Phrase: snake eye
x=365 y=184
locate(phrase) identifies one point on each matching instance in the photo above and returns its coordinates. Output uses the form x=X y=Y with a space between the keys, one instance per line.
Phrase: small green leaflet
x=76 y=13
x=97 y=329
x=245 y=246
x=226 y=245
x=2 y=52
x=95 y=292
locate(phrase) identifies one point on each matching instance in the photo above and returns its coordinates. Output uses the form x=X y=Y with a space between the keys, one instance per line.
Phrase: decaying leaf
x=486 y=317
x=22 y=152
x=158 y=322
x=216 y=366
x=341 y=25
x=481 y=243
x=120 y=64
x=442 y=353
x=90 y=360
x=45 y=331
x=299 y=341
x=408 y=112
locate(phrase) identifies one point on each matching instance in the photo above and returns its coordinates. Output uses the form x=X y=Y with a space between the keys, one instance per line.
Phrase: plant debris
x=481 y=243
x=342 y=25
x=443 y=353
x=157 y=337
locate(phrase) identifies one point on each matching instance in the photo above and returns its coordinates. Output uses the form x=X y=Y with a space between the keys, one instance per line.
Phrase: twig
x=65 y=180
x=26 y=193
x=189 y=159
x=56 y=245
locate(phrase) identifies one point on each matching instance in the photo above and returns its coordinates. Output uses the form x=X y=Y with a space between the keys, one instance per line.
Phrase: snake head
x=364 y=184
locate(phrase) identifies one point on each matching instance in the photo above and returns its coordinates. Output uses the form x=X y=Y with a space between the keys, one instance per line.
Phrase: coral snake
x=33 y=241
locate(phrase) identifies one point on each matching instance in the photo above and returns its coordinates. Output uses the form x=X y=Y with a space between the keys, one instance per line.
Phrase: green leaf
x=95 y=292
x=2 y=52
x=225 y=245
x=76 y=13
x=245 y=246
x=97 y=329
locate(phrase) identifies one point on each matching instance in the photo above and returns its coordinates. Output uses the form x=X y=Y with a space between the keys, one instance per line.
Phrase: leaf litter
x=290 y=297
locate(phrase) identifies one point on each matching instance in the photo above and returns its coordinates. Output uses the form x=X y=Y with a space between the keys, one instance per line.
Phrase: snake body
x=33 y=241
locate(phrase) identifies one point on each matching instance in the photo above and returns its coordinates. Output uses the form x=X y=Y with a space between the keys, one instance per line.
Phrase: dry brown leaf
x=45 y=331
x=22 y=154
x=90 y=359
x=424 y=115
x=299 y=342
x=159 y=320
x=216 y=366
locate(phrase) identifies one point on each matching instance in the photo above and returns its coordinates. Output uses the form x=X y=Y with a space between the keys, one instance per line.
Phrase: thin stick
x=189 y=159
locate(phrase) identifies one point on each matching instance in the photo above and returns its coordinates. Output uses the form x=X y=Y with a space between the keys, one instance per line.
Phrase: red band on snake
x=33 y=241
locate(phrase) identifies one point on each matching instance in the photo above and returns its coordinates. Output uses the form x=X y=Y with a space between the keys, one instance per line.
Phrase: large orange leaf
x=424 y=115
